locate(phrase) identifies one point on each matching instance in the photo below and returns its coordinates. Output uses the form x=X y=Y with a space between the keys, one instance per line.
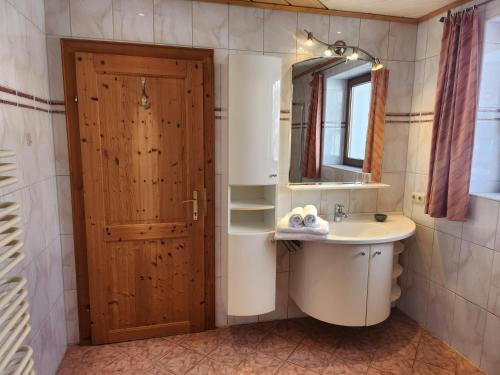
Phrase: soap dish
x=380 y=217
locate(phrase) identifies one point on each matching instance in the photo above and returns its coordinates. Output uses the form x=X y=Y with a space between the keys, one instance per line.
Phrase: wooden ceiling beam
x=331 y=12
x=443 y=9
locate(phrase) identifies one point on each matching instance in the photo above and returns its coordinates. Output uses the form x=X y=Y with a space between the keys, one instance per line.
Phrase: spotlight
x=353 y=56
x=328 y=51
x=376 y=65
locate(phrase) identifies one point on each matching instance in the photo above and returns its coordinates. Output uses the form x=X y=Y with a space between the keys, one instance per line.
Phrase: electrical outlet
x=418 y=197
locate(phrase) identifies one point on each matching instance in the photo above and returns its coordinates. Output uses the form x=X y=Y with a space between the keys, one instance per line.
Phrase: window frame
x=351 y=83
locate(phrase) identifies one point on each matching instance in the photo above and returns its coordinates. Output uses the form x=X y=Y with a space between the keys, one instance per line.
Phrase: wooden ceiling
x=406 y=11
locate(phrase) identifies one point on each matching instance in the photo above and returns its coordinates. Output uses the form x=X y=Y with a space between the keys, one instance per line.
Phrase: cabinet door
x=379 y=283
x=254 y=115
x=251 y=274
x=335 y=279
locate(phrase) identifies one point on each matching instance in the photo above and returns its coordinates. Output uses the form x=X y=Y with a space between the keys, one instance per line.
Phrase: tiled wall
x=232 y=29
x=26 y=127
x=452 y=283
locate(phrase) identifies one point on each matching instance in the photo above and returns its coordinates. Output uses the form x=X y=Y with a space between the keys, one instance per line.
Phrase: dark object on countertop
x=380 y=217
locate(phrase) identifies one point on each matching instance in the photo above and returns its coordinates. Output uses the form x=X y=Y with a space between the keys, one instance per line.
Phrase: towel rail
x=15 y=359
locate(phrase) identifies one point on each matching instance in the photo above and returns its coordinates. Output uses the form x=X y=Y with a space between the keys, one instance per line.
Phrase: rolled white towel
x=311 y=216
x=296 y=218
x=283 y=226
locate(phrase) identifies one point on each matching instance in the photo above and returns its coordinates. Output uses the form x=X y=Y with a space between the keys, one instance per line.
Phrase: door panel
x=140 y=165
x=379 y=283
x=328 y=282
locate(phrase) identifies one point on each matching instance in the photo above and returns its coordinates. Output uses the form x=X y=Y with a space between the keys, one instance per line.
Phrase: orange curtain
x=376 y=124
x=311 y=167
x=454 y=119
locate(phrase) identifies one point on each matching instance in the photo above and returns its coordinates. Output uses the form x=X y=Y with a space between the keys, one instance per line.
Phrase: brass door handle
x=195 y=204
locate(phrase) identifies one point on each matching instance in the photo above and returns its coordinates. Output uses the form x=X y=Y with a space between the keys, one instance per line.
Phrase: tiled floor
x=299 y=346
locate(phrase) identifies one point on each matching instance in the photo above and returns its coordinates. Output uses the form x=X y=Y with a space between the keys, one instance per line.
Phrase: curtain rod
x=442 y=19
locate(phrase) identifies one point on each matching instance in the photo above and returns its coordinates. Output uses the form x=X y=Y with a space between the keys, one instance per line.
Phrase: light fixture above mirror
x=342 y=49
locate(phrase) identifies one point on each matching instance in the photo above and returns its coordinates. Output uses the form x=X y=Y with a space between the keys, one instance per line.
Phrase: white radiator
x=15 y=359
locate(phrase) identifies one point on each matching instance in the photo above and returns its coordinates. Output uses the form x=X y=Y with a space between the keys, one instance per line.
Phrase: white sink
x=363 y=229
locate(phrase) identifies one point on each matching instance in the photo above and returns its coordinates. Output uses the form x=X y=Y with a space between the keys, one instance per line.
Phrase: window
x=357 y=108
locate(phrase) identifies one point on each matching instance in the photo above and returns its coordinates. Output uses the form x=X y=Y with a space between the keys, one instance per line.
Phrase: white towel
x=280 y=236
x=321 y=230
x=311 y=216
x=296 y=218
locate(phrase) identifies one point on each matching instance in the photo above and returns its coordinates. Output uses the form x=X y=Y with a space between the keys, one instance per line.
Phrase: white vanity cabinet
x=253 y=147
x=343 y=284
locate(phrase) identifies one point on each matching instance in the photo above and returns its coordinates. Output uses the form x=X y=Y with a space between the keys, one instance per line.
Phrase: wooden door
x=140 y=166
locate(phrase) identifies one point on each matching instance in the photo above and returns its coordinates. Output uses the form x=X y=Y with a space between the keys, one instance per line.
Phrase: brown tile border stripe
x=14 y=95
x=7 y=90
x=56 y=102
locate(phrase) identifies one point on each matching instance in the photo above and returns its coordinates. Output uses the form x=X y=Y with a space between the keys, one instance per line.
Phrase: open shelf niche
x=252 y=209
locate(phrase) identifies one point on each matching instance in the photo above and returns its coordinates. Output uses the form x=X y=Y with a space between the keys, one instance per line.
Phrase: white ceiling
x=400 y=8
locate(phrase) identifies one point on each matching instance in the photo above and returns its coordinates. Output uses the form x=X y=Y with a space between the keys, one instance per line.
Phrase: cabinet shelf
x=395 y=293
x=251 y=205
x=397 y=271
x=250 y=227
x=399 y=247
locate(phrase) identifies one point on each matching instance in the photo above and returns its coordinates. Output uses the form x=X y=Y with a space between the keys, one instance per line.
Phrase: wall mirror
x=330 y=118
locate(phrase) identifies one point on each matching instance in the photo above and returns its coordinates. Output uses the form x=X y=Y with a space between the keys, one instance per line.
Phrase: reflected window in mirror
x=343 y=114
x=358 y=107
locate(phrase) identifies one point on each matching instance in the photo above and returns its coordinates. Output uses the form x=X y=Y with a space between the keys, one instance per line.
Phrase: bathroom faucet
x=339 y=213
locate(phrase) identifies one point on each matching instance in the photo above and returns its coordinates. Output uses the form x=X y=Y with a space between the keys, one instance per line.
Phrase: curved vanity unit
x=347 y=279
x=363 y=229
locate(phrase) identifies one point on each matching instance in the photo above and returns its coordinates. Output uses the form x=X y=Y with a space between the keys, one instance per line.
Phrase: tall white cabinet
x=253 y=137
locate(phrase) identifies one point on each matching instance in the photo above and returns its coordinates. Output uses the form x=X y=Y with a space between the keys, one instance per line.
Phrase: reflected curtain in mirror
x=311 y=167
x=454 y=119
x=376 y=125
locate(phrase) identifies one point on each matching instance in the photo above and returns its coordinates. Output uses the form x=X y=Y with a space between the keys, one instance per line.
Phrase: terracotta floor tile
x=353 y=353
x=393 y=365
x=247 y=336
x=259 y=363
x=151 y=349
x=227 y=354
x=202 y=342
x=349 y=363
x=277 y=346
x=310 y=357
x=127 y=364
x=421 y=368
x=435 y=352
x=326 y=342
x=179 y=360
x=210 y=367
x=291 y=369
x=87 y=359
x=464 y=367
x=346 y=368
x=291 y=330
x=305 y=346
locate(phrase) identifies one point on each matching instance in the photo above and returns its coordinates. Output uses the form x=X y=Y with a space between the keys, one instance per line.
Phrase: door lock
x=195 y=204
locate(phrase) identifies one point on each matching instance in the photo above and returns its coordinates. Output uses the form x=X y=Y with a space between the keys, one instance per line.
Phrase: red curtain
x=374 y=148
x=311 y=166
x=454 y=119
